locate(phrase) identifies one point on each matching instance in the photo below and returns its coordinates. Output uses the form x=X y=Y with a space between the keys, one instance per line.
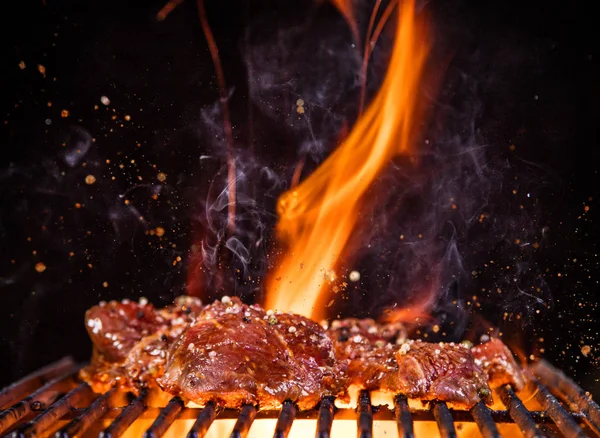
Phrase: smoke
x=79 y=142
x=457 y=228
x=304 y=75
x=298 y=101
x=453 y=230
x=234 y=264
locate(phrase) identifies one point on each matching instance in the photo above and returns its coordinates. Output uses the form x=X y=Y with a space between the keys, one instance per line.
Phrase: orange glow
x=300 y=428
x=342 y=427
x=408 y=315
x=344 y=423
x=417 y=311
x=317 y=218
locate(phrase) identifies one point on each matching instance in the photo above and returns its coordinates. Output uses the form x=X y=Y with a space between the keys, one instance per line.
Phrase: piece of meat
x=130 y=341
x=235 y=354
x=369 y=348
x=499 y=365
x=314 y=354
x=116 y=327
x=445 y=372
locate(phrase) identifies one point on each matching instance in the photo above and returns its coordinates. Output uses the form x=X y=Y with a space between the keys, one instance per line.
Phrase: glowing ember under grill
x=52 y=401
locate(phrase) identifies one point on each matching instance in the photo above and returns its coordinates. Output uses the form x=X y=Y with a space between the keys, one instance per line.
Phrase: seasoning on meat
x=368 y=347
x=499 y=365
x=445 y=372
x=131 y=339
x=235 y=354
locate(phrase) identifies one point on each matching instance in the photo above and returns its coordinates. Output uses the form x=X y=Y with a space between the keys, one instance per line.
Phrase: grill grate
x=205 y=419
x=57 y=398
x=285 y=420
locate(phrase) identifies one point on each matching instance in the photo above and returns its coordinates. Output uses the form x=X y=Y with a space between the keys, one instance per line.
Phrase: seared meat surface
x=369 y=348
x=236 y=354
x=131 y=340
x=380 y=358
x=444 y=371
x=342 y=329
x=116 y=327
x=499 y=365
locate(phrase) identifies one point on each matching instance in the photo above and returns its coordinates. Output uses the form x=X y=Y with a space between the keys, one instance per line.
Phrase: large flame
x=317 y=218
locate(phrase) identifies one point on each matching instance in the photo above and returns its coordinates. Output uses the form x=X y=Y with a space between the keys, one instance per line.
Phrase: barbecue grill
x=53 y=401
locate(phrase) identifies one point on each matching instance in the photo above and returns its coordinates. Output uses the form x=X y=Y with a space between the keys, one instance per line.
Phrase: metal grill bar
x=204 y=420
x=485 y=422
x=564 y=422
x=325 y=419
x=126 y=417
x=444 y=420
x=365 y=415
x=385 y=414
x=54 y=413
x=519 y=413
x=93 y=413
x=459 y=416
x=36 y=401
x=403 y=417
x=244 y=421
x=165 y=418
x=83 y=418
x=20 y=389
x=568 y=390
x=285 y=420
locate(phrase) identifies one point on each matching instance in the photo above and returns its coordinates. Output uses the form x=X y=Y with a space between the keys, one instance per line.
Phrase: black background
x=538 y=63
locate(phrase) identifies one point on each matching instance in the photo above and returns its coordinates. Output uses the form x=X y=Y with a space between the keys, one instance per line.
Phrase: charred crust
x=484 y=393
x=344 y=334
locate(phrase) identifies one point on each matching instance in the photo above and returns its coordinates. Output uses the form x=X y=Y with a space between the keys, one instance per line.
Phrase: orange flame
x=317 y=218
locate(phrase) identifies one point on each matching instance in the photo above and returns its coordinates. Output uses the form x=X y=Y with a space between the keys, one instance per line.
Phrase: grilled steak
x=368 y=347
x=380 y=358
x=444 y=371
x=131 y=340
x=499 y=365
x=236 y=354
x=116 y=327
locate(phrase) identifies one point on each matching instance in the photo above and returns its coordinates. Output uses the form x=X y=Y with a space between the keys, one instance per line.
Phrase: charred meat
x=368 y=348
x=499 y=365
x=236 y=354
x=380 y=358
x=445 y=372
x=233 y=354
x=131 y=340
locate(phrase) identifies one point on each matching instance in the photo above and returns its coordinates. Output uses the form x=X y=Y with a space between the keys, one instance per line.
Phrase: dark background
x=537 y=70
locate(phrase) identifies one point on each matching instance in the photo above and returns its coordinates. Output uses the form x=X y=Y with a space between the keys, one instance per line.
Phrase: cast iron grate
x=53 y=401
